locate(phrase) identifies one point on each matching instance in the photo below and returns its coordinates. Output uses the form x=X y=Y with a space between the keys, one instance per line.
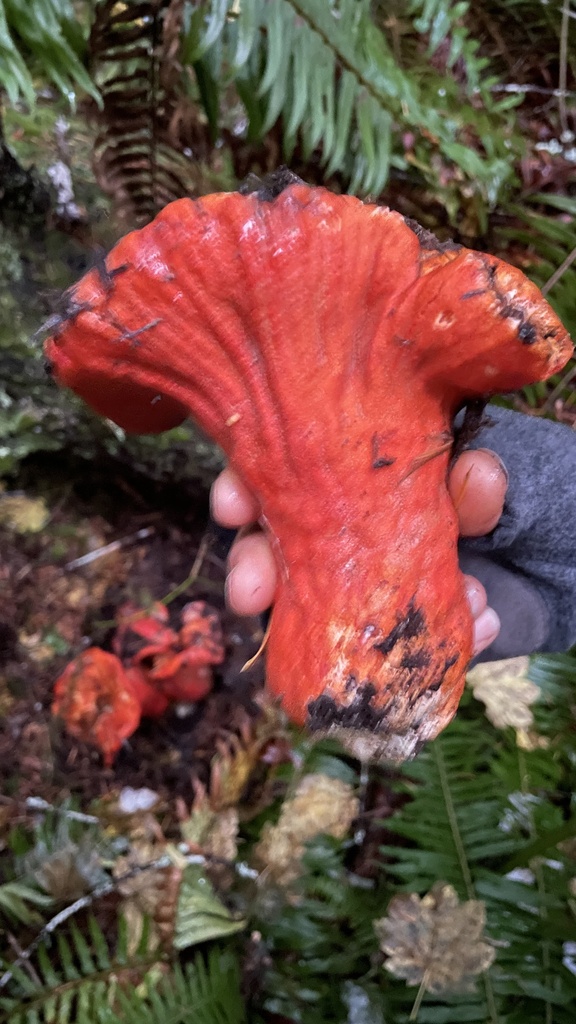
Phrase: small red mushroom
x=183 y=672
x=153 y=703
x=96 y=701
x=143 y=633
x=176 y=665
x=101 y=697
x=201 y=633
x=326 y=345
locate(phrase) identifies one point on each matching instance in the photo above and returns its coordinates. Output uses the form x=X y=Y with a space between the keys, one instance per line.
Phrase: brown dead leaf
x=130 y=813
x=505 y=690
x=149 y=894
x=434 y=940
x=319 y=805
x=22 y=514
x=241 y=755
x=69 y=872
x=214 y=833
x=7 y=700
x=528 y=739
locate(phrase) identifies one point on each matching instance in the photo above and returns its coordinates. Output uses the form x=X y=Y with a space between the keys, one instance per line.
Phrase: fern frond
x=477 y=802
x=134 y=57
x=49 y=32
x=325 y=928
x=14 y=75
x=80 y=988
x=445 y=25
x=17 y=900
x=70 y=981
x=555 y=674
x=206 y=991
x=549 y=235
x=328 y=71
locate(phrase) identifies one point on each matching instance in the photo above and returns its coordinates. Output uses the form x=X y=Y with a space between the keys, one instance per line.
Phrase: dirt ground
x=51 y=610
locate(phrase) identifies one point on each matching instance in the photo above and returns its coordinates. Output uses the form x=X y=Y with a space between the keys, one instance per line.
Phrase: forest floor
x=51 y=609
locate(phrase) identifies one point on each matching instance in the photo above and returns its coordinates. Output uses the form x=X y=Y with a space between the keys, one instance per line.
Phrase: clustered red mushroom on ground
x=102 y=696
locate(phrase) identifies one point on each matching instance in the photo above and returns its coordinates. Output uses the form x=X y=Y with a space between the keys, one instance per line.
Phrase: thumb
x=477 y=485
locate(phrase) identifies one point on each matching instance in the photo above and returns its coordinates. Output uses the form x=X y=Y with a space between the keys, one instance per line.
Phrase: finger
x=477 y=485
x=476 y=595
x=486 y=629
x=486 y=621
x=231 y=503
x=251 y=582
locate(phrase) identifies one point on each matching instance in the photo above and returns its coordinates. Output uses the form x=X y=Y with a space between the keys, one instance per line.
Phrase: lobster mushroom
x=326 y=345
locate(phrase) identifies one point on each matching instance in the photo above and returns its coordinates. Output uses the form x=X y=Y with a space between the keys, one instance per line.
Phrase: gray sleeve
x=528 y=562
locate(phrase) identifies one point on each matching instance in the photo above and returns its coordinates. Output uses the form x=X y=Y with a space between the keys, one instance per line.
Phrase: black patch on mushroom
x=428 y=240
x=268 y=188
x=106 y=274
x=324 y=713
x=414 y=660
x=411 y=625
x=527 y=333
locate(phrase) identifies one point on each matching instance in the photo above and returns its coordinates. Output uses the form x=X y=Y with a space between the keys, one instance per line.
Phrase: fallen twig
x=107 y=549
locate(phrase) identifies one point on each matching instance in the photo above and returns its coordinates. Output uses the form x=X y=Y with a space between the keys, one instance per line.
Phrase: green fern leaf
x=275 y=27
x=71 y=971
x=82 y=949
x=247 y=27
x=303 y=54
x=344 y=112
x=327 y=71
x=49 y=974
x=98 y=944
x=42 y=29
x=67 y=984
x=201 y=916
x=204 y=992
x=17 y=900
x=14 y=75
x=214 y=25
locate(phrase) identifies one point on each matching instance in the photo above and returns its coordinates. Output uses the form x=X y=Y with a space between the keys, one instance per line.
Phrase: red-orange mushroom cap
x=96 y=701
x=326 y=345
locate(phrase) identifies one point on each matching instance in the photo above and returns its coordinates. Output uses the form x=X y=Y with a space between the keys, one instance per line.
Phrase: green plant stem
x=193 y=574
x=536 y=866
x=559 y=272
x=563 y=61
x=419 y=997
x=463 y=861
x=453 y=821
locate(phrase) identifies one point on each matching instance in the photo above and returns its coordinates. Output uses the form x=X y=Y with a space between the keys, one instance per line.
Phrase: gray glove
x=528 y=562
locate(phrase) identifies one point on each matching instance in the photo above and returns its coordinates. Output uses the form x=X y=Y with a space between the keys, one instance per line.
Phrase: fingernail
x=498 y=461
x=486 y=629
x=476 y=597
x=228 y=586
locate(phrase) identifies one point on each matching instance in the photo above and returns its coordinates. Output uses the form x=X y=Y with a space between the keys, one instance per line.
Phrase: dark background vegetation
x=462 y=116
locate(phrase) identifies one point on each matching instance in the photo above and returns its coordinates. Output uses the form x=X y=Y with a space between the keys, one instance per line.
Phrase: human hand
x=477 y=486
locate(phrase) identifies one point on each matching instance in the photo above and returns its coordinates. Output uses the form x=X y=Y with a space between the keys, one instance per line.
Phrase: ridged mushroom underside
x=326 y=345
